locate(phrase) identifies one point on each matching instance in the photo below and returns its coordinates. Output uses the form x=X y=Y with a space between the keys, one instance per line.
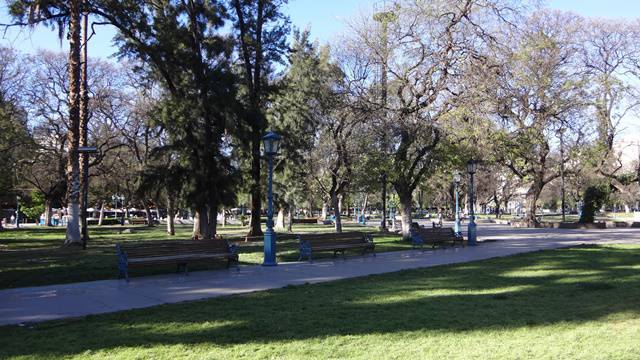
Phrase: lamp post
x=17 y=211
x=472 y=166
x=456 y=181
x=85 y=151
x=271 y=143
x=563 y=203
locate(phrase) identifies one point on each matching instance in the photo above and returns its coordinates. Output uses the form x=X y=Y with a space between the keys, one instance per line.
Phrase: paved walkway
x=33 y=304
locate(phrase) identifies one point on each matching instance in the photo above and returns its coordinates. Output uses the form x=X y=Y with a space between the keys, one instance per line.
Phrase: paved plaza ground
x=35 y=304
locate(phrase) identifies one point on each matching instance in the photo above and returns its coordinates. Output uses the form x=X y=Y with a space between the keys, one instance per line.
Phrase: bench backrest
x=165 y=248
x=334 y=238
x=241 y=238
x=435 y=233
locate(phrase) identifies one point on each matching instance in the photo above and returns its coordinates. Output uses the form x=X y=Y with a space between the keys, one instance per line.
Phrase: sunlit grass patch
x=465 y=311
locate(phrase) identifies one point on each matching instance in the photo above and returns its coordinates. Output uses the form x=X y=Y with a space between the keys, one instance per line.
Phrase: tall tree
x=15 y=137
x=63 y=15
x=180 y=45
x=609 y=55
x=424 y=48
x=536 y=89
x=261 y=31
x=294 y=115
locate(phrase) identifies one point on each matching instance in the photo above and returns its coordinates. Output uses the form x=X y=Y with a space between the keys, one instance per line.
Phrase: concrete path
x=34 y=304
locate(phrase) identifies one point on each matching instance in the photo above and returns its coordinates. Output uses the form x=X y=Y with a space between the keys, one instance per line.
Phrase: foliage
x=594 y=197
x=260 y=29
x=16 y=142
x=36 y=206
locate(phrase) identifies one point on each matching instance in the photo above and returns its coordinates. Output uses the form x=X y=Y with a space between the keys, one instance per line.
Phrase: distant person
x=13 y=219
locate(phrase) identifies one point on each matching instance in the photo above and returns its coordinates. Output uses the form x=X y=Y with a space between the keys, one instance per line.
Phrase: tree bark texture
x=335 y=202
x=73 y=134
x=171 y=215
x=101 y=218
x=280 y=219
x=405 y=213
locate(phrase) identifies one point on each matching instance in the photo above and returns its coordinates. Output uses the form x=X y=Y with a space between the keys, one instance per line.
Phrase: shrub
x=594 y=198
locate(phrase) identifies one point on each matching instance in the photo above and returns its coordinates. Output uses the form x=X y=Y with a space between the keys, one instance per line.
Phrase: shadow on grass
x=563 y=286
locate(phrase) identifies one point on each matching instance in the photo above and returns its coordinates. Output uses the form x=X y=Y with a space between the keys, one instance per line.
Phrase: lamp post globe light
x=472 y=166
x=271 y=143
x=456 y=181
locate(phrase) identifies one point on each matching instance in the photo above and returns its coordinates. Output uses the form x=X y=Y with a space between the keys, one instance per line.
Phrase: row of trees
x=406 y=97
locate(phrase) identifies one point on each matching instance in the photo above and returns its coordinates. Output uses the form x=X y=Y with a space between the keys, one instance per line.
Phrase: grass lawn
x=33 y=256
x=579 y=303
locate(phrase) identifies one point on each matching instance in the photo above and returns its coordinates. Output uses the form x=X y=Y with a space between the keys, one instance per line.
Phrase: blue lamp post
x=271 y=143
x=456 y=181
x=472 y=166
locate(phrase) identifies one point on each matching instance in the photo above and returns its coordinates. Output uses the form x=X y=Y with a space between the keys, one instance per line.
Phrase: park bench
x=311 y=243
x=181 y=253
x=435 y=236
x=137 y=221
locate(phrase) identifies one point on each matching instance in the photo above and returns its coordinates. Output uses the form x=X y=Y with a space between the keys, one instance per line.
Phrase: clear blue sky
x=326 y=18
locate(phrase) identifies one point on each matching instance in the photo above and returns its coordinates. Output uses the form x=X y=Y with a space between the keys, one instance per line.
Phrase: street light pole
x=456 y=181
x=471 y=229
x=561 y=131
x=17 y=211
x=271 y=144
x=85 y=151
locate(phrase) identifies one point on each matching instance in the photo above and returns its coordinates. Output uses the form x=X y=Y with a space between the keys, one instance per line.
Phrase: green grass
x=579 y=303
x=35 y=256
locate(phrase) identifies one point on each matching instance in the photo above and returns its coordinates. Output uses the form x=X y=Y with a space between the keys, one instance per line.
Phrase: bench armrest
x=416 y=239
x=123 y=261
x=305 y=248
x=368 y=238
x=233 y=249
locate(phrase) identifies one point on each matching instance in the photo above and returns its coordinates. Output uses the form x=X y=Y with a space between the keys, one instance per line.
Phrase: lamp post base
x=269 y=248
x=471 y=233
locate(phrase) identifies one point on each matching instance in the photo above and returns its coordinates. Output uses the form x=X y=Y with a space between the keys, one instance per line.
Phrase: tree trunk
x=383 y=182
x=203 y=222
x=405 y=212
x=324 y=211
x=256 y=191
x=171 y=230
x=147 y=212
x=212 y=225
x=195 y=234
x=336 y=205
x=101 y=217
x=47 y=212
x=506 y=203
x=531 y=200
x=497 y=202
x=280 y=219
x=290 y=218
x=84 y=131
x=73 y=134
x=365 y=203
